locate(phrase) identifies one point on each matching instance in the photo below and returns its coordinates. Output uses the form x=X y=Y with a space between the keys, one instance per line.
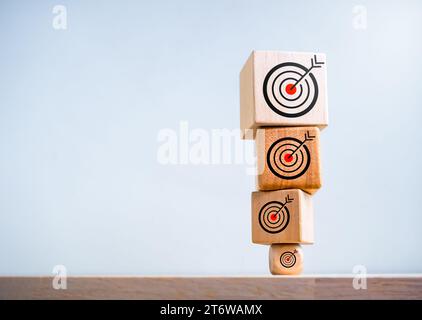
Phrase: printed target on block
x=274 y=216
x=289 y=158
x=288 y=259
x=291 y=89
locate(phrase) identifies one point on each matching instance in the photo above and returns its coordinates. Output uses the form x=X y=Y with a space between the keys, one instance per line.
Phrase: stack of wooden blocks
x=283 y=106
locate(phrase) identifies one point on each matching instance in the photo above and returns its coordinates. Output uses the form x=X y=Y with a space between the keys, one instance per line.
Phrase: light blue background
x=80 y=111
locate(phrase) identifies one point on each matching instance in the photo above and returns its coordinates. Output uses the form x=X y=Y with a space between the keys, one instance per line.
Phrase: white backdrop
x=81 y=110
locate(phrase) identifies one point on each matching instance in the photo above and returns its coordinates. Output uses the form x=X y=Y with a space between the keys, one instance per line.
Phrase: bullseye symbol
x=274 y=216
x=288 y=259
x=289 y=158
x=290 y=89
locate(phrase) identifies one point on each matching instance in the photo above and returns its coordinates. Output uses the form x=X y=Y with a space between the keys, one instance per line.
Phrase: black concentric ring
x=274 y=217
x=275 y=98
x=288 y=170
x=288 y=259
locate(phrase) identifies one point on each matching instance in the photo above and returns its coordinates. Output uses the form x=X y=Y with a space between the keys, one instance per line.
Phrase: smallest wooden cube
x=286 y=259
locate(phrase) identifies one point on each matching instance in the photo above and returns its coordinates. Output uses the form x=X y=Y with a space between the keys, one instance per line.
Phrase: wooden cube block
x=286 y=259
x=282 y=216
x=288 y=158
x=283 y=89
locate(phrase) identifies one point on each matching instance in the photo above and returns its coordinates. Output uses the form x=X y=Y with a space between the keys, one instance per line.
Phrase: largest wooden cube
x=283 y=89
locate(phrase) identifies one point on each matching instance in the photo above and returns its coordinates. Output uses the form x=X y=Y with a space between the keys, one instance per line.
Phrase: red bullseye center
x=290 y=89
x=273 y=217
x=288 y=157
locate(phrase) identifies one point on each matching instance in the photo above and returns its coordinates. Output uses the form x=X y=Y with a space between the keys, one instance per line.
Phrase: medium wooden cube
x=282 y=216
x=286 y=259
x=288 y=158
x=283 y=89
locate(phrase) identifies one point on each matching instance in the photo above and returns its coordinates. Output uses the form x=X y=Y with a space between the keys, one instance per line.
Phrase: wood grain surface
x=286 y=259
x=255 y=112
x=272 y=144
x=296 y=217
x=167 y=287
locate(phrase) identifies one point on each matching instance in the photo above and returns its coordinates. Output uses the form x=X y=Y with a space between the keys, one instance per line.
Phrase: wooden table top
x=388 y=286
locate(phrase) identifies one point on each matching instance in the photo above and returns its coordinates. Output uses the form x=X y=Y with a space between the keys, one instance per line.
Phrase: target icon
x=290 y=89
x=288 y=259
x=289 y=158
x=274 y=216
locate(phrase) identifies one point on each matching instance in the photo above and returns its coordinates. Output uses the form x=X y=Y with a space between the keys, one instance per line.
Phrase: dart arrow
x=287 y=200
x=314 y=64
x=308 y=137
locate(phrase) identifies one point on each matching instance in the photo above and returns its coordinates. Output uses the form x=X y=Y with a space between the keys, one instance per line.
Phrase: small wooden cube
x=282 y=216
x=288 y=158
x=283 y=89
x=286 y=259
